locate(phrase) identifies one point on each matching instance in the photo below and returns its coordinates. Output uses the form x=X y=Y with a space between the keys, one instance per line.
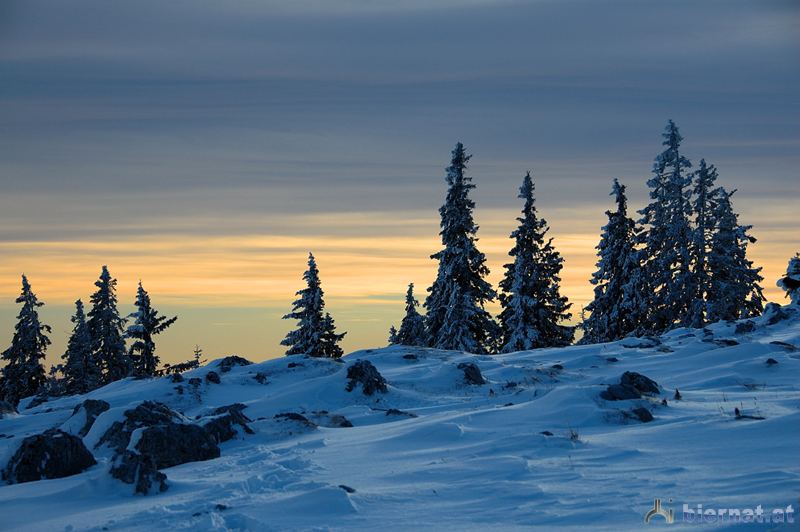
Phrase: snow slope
x=473 y=458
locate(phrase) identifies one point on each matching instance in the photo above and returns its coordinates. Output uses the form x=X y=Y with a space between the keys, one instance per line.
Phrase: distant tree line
x=683 y=263
x=96 y=352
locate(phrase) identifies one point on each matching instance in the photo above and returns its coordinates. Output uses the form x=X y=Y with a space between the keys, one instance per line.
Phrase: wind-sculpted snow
x=535 y=446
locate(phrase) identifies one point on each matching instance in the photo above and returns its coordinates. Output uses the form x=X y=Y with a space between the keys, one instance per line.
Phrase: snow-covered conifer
x=329 y=340
x=703 y=207
x=734 y=291
x=791 y=281
x=533 y=307
x=667 y=238
x=456 y=317
x=315 y=334
x=612 y=314
x=80 y=372
x=24 y=374
x=392 y=335
x=412 y=328
x=147 y=323
x=106 y=329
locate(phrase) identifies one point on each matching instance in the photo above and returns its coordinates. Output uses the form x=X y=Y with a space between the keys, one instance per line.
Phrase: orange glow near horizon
x=364 y=278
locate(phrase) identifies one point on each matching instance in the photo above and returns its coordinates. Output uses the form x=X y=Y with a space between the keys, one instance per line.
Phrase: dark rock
x=92 y=408
x=641 y=343
x=664 y=402
x=789 y=347
x=6 y=408
x=511 y=384
x=295 y=365
x=631 y=386
x=771 y=362
x=677 y=395
x=334 y=421
x=775 y=313
x=664 y=349
x=176 y=377
x=213 y=376
x=620 y=392
x=364 y=373
x=726 y=342
x=176 y=443
x=472 y=373
x=299 y=418
x=738 y=415
x=546 y=433
x=557 y=367
x=612 y=359
x=347 y=488
x=229 y=362
x=146 y=414
x=642 y=414
x=222 y=427
x=139 y=470
x=179 y=389
x=396 y=412
x=509 y=404
x=642 y=384
x=52 y=454
x=260 y=377
x=195 y=382
x=410 y=356
x=220 y=507
x=745 y=327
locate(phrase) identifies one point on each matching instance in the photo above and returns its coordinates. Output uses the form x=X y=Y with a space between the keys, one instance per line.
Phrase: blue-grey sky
x=207 y=146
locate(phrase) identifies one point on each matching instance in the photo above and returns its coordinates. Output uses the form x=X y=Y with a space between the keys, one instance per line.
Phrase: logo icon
x=668 y=515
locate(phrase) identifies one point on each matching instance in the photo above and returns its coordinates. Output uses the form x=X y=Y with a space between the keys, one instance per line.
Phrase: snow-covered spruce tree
x=611 y=316
x=533 y=306
x=734 y=291
x=106 y=329
x=329 y=341
x=667 y=239
x=412 y=328
x=147 y=323
x=456 y=318
x=703 y=207
x=315 y=334
x=80 y=372
x=791 y=281
x=392 y=335
x=24 y=374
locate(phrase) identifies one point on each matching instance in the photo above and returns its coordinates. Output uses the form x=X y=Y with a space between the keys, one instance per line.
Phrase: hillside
x=535 y=446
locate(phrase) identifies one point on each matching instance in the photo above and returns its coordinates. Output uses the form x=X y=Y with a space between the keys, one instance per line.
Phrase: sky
x=205 y=148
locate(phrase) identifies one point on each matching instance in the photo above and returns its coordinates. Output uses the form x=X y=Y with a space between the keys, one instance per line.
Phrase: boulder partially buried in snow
x=146 y=414
x=472 y=373
x=85 y=414
x=364 y=373
x=140 y=470
x=52 y=454
x=231 y=361
x=176 y=443
x=631 y=385
x=222 y=427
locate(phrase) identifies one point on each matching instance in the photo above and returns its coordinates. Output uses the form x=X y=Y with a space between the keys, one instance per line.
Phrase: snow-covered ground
x=474 y=457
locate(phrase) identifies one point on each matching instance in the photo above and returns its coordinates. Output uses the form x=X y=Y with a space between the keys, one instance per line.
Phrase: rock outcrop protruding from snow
x=472 y=373
x=52 y=454
x=176 y=443
x=231 y=361
x=364 y=373
x=90 y=408
x=146 y=414
x=213 y=377
x=152 y=436
x=139 y=470
x=223 y=426
x=631 y=385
